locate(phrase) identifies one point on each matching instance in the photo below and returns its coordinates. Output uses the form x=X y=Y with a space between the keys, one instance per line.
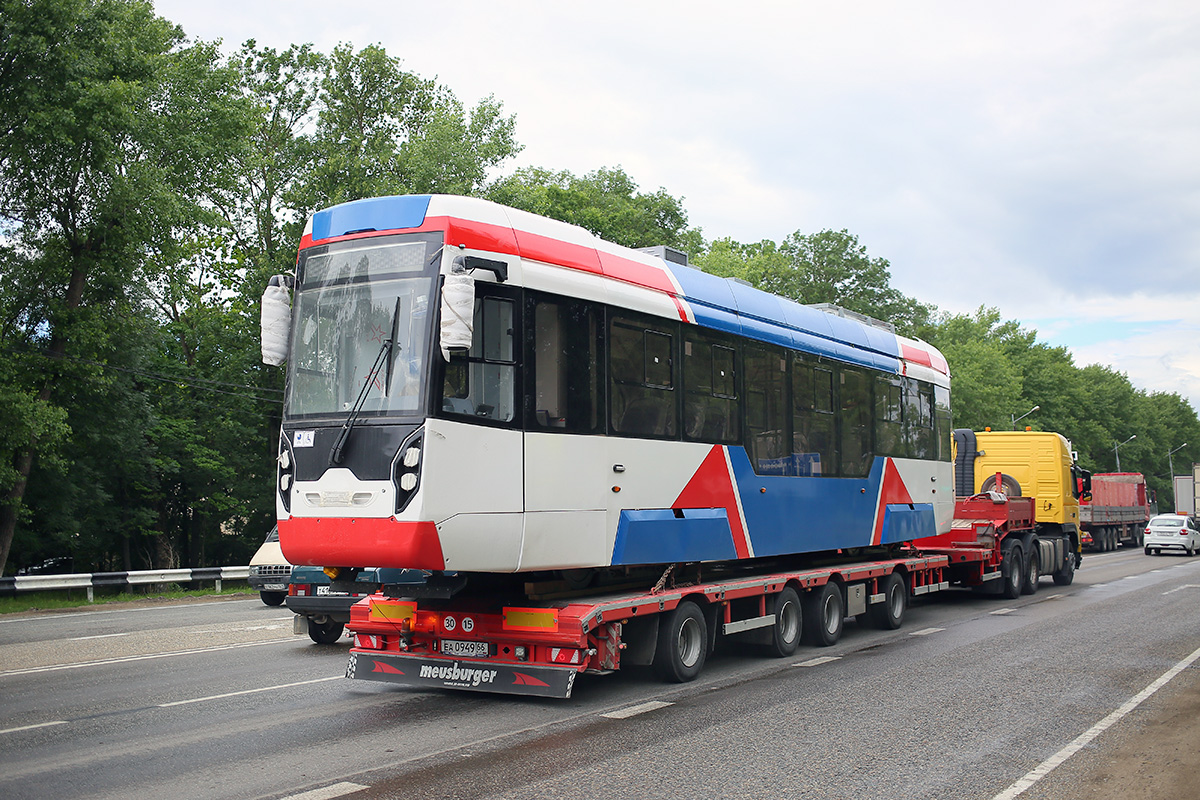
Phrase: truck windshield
x=350 y=298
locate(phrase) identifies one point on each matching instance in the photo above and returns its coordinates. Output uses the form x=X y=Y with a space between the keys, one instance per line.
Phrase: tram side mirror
x=276 y=319
x=458 y=310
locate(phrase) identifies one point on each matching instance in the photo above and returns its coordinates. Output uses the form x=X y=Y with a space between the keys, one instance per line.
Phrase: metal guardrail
x=9 y=587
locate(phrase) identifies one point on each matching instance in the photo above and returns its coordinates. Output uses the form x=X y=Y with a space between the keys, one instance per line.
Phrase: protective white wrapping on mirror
x=458 y=313
x=276 y=319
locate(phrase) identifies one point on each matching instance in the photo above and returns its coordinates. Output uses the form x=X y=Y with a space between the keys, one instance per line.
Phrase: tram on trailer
x=477 y=389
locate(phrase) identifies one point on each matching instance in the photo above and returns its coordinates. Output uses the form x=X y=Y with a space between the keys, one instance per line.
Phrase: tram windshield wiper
x=386 y=351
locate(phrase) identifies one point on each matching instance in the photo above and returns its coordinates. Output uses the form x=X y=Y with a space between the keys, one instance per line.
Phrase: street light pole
x=1171 y=463
x=1117 y=450
x=1016 y=419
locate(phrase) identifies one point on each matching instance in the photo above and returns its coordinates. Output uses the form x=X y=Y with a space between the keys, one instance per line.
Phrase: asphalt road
x=218 y=700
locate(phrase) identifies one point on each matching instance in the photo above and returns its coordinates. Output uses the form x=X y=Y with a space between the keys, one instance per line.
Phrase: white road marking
x=31 y=727
x=926 y=631
x=250 y=691
x=1180 y=588
x=815 y=662
x=1044 y=769
x=97 y=636
x=328 y=792
x=126 y=659
x=633 y=711
x=1001 y=611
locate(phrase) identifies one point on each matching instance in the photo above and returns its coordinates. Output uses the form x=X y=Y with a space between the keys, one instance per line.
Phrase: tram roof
x=713 y=302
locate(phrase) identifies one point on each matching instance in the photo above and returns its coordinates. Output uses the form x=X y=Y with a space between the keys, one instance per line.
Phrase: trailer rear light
x=521 y=653
x=564 y=655
x=370 y=641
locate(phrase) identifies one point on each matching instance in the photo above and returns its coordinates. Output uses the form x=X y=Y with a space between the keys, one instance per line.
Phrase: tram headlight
x=285 y=467
x=406 y=471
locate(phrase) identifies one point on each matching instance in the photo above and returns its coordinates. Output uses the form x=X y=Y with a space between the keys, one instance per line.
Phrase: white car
x=1171 y=532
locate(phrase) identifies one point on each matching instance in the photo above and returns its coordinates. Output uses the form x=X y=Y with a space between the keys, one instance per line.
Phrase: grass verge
x=73 y=598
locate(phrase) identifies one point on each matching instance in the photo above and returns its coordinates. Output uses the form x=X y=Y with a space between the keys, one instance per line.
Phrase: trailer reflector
x=388 y=611
x=533 y=620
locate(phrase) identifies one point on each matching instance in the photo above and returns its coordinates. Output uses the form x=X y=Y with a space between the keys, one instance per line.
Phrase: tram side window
x=814 y=445
x=710 y=410
x=889 y=416
x=767 y=438
x=918 y=418
x=481 y=384
x=942 y=424
x=564 y=366
x=641 y=362
x=855 y=415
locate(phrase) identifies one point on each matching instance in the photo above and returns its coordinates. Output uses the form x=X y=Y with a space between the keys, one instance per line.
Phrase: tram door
x=568 y=469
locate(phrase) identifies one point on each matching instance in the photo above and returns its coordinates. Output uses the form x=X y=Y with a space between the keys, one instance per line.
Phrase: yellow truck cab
x=1037 y=464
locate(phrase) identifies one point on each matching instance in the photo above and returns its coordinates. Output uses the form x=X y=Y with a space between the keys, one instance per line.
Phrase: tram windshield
x=351 y=298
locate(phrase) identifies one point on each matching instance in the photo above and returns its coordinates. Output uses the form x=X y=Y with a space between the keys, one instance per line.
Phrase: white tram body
x=613 y=407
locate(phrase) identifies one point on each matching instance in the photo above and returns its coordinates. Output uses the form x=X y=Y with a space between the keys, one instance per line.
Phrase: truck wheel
x=1032 y=574
x=1008 y=485
x=1066 y=573
x=682 y=644
x=272 y=598
x=889 y=615
x=785 y=634
x=824 y=614
x=1012 y=571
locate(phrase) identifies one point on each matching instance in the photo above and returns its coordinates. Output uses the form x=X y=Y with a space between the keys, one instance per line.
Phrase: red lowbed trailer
x=515 y=645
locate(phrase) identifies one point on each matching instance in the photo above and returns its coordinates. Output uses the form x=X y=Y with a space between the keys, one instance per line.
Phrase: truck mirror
x=276 y=319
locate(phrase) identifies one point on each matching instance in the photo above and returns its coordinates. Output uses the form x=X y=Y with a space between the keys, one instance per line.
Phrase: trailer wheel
x=785 y=633
x=1065 y=573
x=272 y=598
x=682 y=644
x=824 y=614
x=889 y=615
x=1012 y=571
x=1032 y=574
x=327 y=632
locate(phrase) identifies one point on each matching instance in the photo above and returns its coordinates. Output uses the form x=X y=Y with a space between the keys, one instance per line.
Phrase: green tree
x=113 y=130
x=825 y=267
x=382 y=131
x=606 y=202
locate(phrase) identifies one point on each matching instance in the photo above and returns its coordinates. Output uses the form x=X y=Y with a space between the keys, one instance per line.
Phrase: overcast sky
x=1041 y=157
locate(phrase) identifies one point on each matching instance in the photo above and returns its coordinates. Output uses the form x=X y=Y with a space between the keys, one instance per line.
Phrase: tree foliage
x=606 y=202
x=824 y=267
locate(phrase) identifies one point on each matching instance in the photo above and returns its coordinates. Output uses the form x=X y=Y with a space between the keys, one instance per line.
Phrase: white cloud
x=1039 y=157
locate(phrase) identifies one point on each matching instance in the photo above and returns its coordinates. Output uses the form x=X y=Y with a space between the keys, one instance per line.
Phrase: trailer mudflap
x=533 y=680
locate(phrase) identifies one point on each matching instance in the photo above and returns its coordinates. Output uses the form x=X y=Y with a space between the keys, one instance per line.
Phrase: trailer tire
x=272 y=598
x=889 y=615
x=327 y=632
x=682 y=644
x=824 y=615
x=1012 y=572
x=1031 y=576
x=789 y=623
x=1065 y=573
